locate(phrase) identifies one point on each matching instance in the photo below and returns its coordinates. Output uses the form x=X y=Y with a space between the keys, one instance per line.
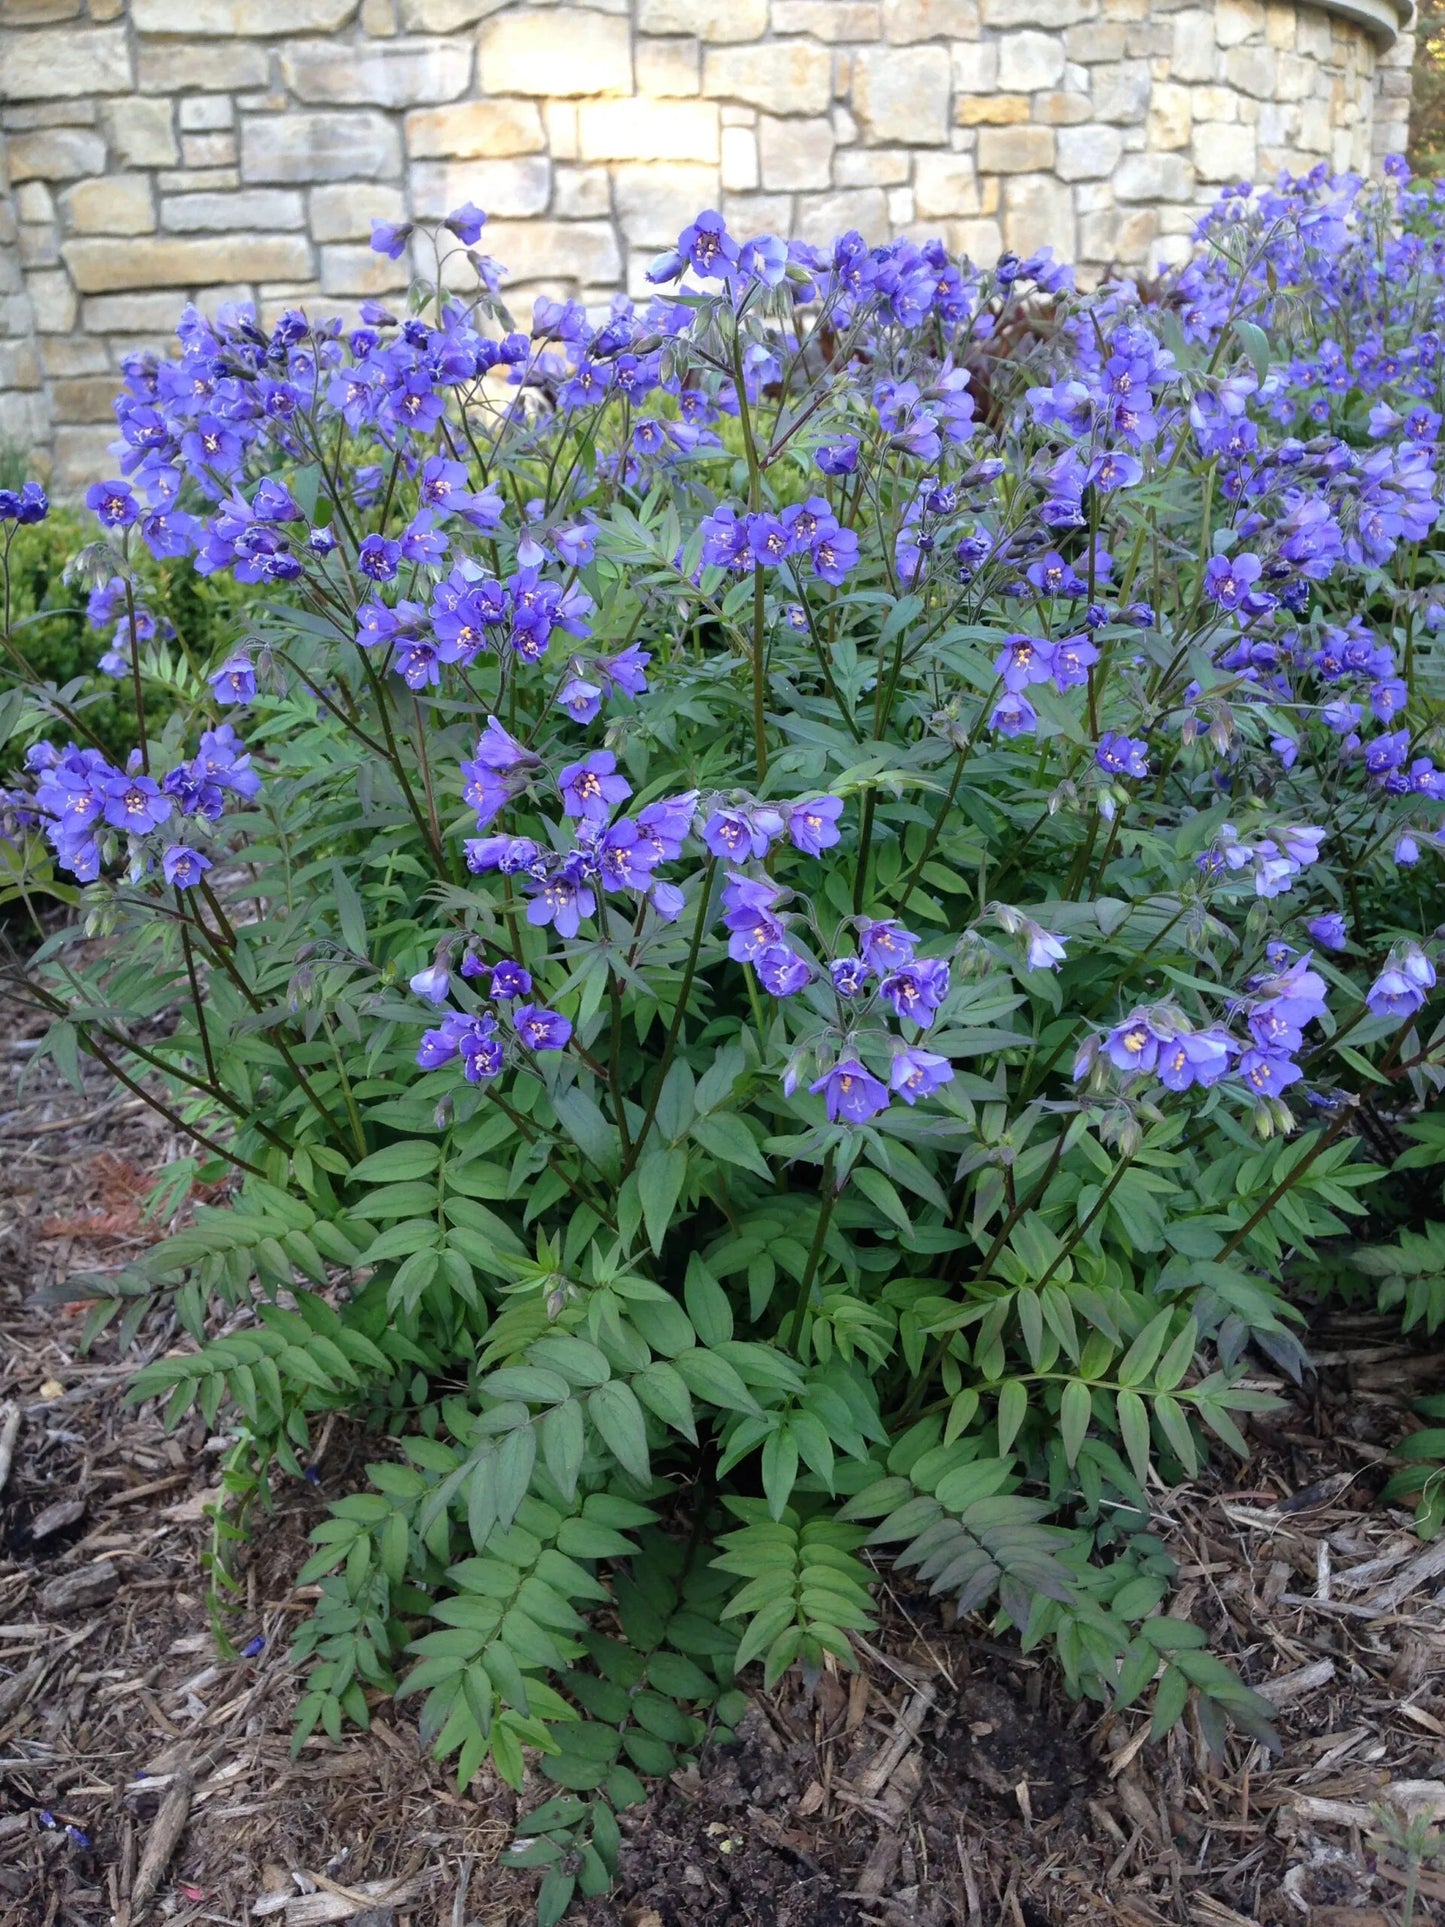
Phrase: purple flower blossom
x=541 y=1029
x=183 y=867
x=510 y=980
x=1120 y=755
x=851 y=1093
x=234 y=681
x=917 y=1073
x=781 y=971
x=1194 y=1057
x=434 y=983
x=113 y=503
x=591 y=787
x=390 y=238
x=885 y=944
x=1268 y=1072
x=850 y=976
x=1045 y=952
x=813 y=826
x=1134 y=1045
x=917 y=989
x=1328 y=930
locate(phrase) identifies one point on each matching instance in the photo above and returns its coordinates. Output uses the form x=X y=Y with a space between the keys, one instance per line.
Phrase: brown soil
x=948 y=1781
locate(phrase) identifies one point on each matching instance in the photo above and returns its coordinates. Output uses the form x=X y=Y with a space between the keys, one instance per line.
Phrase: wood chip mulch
x=142 y=1778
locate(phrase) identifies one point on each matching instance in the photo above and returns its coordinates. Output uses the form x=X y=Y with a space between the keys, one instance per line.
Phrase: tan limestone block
x=392 y=73
x=741 y=173
x=671 y=69
x=558 y=51
x=655 y=201
x=470 y=130
x=571 y=253
x=52 y=62
x=780 y=76
x=55 y=154
x=107 y=266
x=345 y=210
x=903 y=95
x=301 y=148
x=710 y=20
x=822 y=218
x=506 y=189
x=996 y=110
x=1029 y=61
x=1015 y=150
x=1171 y=115
x=262 y=18
x=581 y=193
x=905 y=21
x=648 y=130
x=256 y=209
x=850 y=20
x=113 y=204
x=795 y=153
x=141 y=133
x=878 y=166
x=1038 y=212
x=1088 y=153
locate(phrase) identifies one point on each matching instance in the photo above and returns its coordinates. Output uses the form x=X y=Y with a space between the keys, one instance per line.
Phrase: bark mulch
x=142 y=1778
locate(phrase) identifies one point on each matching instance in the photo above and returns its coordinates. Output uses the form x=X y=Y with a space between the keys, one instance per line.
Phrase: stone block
x=945 y=186
x=257 y=208
x=114 y=204
x=1029 y=61
x=205 y=113
x=979 y=241
x=1088 y=153
x=559 y=117
x=1251 y=70
x=198 y=180
x=39 y=13
x=903 y=95
x=1237 y=20
x=378 y=18
x=740 y=170
x=64 y=61
x=992 y=110
x=851 y=20
x=84 y=398
x=300 y=148
x=74 y=355
x=344 y=210
x=566 y=52
x=1295 y=77
x=36 y=247
x=208 y=150
x=1224 y=153
x=81 y=454
x=908 y=21
x=1171 y=116
x=975 y=67
x=1214 y=103
x=141 y=134
x=668 y=69
x=571 y=253
x=902 y=210
x=656 y=201
x=879 y=166
x=52 y=300
x=1121 y=93
x=168 y=67
x=1038 y=212
x=129 y=314
x=1195 y=55
x=795 y=153
x=391 y=73
x=1062 y=109
x=758 y=214
x=508 y=189
x=648 y=130
x=19 y=366
x=823 y=217
x=1015 y=150
x=262 y=19
x=445 y=16
x=470 y=130
x=106 y=266
x=55 y=154
x=347 y=269
x=1095 y=41
x=1154 y=177
x=710 y=20
x=581 y=193
x=780 y=76
x=33 y=202
x=1119 y=236
x=1037 y=13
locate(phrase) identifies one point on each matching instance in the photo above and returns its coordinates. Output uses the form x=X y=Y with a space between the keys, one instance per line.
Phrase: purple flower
x=850 y=976
x=591 y=788
x=736 y=834
x=813 y=826
x=510 y=979
x=1194 y=1057
x=498 y=751
x=834 y=553
x=1395 y=994
x=1024 y=660
x=234 y=681
x=1229 y=579
x=433 y=983
x=541 y=1029
x=838 y=458
x=1014 y=715
x=917 y=989
x=135 y=803
x=885 y=944
x=379 y=558
x=390 y=238
x=1134 y=1045
x=113 y=504
x=1268 y=1072
x=466 y=222
x=1407 y=850
x=1328 y=931
x=1120 y=755
x=852 y=1094
x=562 y=900
x=707 y=246
x=781 y=972
x=184 y=867
x=1272 y=1027
x=916 y=1073
x=1045 y=952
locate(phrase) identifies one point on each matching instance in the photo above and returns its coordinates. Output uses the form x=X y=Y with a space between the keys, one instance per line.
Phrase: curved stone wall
x=158 y=149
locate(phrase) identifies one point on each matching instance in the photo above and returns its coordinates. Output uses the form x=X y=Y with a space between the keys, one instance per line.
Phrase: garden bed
x=890 y=1797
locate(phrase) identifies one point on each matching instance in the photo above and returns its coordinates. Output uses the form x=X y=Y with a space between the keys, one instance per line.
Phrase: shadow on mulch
x=949 y=1781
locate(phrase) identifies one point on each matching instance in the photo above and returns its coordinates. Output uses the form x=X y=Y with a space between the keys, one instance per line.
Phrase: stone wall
x=161 y=149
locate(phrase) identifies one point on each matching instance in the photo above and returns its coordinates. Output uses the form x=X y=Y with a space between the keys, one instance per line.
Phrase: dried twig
x=9 y=1432
x=166 y=1829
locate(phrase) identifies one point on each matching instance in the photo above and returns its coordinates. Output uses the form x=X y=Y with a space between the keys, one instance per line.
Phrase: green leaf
x=707 y=1304
x=662 y=1391
x=1076 y=1408
x=780 y=1469
x=614 y=1410
x=1134 y=1428
x=349 y=911
x=554 y=1897
x=726 y=1136
x=660 y=1176
x=410 y=1158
